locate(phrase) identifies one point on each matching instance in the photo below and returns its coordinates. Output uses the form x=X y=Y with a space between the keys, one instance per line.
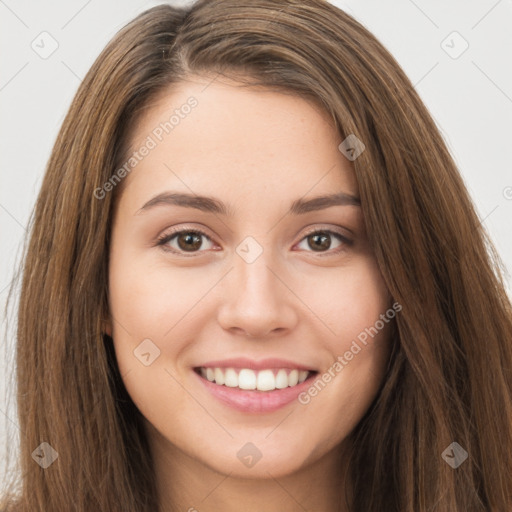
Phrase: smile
x=248 y=379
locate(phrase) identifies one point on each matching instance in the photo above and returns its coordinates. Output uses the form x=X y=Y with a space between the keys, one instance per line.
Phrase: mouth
x=247 y=379
x=254 y=386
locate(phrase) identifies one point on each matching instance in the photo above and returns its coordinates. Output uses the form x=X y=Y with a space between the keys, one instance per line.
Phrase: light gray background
x=470 y=97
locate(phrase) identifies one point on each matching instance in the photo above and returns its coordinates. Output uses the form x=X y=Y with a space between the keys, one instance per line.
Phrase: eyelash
x=167 y=237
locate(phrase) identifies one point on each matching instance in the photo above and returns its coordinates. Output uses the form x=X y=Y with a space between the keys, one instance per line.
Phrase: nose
x=257 y=301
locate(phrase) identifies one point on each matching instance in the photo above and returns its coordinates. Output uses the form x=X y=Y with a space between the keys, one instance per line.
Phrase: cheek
x=359 y=348
x=148 y=299
x=151 y=301
x=348 y=301
x=151 y=309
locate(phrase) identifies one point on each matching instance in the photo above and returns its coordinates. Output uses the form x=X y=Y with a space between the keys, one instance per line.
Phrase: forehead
x=224 y=139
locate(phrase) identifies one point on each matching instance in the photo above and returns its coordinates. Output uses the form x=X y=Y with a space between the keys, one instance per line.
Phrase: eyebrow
x=213 y=205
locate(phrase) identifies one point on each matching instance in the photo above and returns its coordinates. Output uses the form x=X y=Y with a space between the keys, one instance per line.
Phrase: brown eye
x=184 y=241
x=189 y=241
x=319 y=241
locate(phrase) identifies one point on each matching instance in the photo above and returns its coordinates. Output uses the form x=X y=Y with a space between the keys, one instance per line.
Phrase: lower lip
x=254 y=401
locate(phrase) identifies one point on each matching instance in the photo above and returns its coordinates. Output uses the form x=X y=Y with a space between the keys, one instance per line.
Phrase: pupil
x=321 y=238
x=189 y=239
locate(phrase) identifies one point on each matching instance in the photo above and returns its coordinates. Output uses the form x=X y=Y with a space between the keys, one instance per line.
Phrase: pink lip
x=254 y=401
x=263 y=364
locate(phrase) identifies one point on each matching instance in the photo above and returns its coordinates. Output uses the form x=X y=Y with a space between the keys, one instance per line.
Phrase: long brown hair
x=449 y=378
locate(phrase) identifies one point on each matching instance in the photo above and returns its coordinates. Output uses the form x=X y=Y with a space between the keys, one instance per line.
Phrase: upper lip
x=262 y=364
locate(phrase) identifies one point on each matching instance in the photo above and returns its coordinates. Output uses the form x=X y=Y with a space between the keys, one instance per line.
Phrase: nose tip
x=255 y=302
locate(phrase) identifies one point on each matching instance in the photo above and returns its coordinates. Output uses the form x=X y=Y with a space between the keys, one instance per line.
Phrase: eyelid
x=336 y=231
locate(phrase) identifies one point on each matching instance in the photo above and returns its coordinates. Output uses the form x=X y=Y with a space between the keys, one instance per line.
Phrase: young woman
x=256 y=281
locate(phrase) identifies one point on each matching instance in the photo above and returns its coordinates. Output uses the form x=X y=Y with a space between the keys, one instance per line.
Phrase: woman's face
x=252 y=287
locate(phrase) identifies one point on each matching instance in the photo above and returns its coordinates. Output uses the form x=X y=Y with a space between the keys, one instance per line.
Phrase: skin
x=257 y=151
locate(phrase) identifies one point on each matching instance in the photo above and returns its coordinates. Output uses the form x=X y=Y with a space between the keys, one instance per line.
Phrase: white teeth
x=231 y=378
x=219 y=376
x=293 y=378
x=281 y=379
x=264 y=380
x=247 y=379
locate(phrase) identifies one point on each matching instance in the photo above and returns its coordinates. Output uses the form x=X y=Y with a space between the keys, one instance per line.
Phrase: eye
x=183 y=241
x=191 y=241
x=320 y=241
